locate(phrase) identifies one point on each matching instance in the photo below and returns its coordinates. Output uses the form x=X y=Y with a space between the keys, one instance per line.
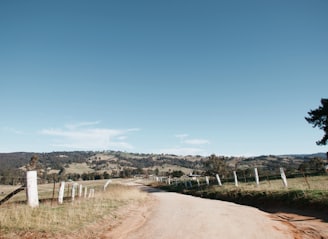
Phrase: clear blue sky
x=182 y=77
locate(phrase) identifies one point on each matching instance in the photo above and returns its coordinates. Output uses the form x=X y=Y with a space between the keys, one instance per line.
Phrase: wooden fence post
x=53 y=192
x=306 y=180
x=32 y=189
x=67 y=190
x=10 y=195
x=190 y=184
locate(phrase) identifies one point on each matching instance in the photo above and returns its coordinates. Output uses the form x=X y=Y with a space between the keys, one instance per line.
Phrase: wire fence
x=303 y=181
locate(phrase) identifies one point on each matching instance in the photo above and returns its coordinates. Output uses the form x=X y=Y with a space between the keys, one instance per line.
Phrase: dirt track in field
x=172 y=215
x=166 y=215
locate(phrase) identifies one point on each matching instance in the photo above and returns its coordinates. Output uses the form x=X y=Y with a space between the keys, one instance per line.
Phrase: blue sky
x=182 y=77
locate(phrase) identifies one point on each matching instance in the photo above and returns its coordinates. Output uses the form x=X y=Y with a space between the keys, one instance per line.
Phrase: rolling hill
x=95 y=165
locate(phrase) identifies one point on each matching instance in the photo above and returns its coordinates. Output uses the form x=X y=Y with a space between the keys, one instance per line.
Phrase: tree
x=106 y=175
x=314 y=165
x=177 y=174
x=32 y=164
x=319 y=118
x=215 y=165
x=156 y=171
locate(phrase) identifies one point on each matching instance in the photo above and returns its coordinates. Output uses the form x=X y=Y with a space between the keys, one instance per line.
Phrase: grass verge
x=264 y=196
x=19 y=219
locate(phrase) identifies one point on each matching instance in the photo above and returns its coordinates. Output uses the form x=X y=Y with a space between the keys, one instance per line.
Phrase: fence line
x=207 y=181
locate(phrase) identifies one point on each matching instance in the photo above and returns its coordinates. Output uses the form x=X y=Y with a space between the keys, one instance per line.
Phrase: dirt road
x=180 y=216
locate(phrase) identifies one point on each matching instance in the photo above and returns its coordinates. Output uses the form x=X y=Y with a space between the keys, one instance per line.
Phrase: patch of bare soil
x=303 y=227
x=129 y=220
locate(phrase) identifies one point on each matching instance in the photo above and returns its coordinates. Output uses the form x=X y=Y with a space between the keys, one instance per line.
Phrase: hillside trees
x=313 y=165
x=11 y=176
x=176 y=174
x=215 y=165
x=319 y=118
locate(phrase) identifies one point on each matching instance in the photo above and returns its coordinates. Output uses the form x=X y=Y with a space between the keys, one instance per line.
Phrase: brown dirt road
x=175 y=215
x=167 y=215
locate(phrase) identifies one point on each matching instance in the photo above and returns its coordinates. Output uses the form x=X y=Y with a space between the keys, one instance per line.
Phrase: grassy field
x=310 y=193
x=19 y=219
x=301 y=183
x=46 y=190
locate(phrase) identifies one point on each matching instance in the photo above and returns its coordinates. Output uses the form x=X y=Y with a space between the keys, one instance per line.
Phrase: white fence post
x=283 y=177
x=73 y=192
x=32 y=189
x=85 y=191
x=61 y=192
x=74 y=187
x=257 y=180
x=236 y=179
x=107 y=183
x=219 y=180
x=80 y=190
x=91 y=193
x=207 y=180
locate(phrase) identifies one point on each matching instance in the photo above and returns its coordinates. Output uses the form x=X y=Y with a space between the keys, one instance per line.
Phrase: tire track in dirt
x=183 y=216
x=303 y=227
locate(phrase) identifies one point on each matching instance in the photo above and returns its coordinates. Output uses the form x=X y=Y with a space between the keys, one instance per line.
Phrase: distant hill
x=93 y=165
x=316 y=155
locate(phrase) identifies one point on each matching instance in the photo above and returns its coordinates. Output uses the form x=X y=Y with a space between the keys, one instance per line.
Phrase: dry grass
x=46 y=190
x=310 y=193
x=79 y=168
x=16 y=219
x=315 y=183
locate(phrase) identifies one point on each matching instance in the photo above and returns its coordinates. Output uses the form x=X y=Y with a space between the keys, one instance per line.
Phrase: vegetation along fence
x=57 y=193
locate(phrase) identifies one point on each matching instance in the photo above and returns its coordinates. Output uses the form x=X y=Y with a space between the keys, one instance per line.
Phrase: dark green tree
x=319 y=118
x=215 y=165
x=156 y=171
x=314 y=165
x=106 y=175
x=177 y=173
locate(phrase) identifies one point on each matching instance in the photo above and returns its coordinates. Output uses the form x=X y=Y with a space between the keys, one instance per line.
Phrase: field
x=78 y=219
x=19 y=220
x=301 y=183
x=309 y=193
